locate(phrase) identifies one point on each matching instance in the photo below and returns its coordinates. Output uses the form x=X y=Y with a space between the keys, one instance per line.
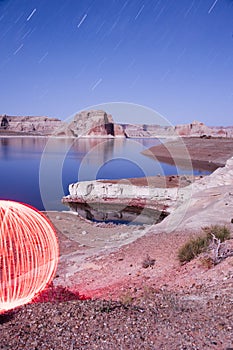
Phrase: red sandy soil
x=114 y=270
x=163 y=306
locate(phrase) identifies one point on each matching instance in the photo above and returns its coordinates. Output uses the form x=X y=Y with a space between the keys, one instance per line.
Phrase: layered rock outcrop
x=30 y=125
x=194 y=129
x=211 y=202
x=122 y=203
x=104 y=201
x=98 y=123
x=120 y=193
x=208 y=200
x=145 y=130
x=93 y=123
x=84 y=124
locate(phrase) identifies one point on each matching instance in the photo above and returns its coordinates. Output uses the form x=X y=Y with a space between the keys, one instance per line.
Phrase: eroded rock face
x=210 y=202
x=33 y=125
x=92 y=124
x=84 y=124
x=121 y=203
x=144 y=130
x=111 y=212
x=207 y=201
x=98 y=123
x=194 y=129
x=164 y=199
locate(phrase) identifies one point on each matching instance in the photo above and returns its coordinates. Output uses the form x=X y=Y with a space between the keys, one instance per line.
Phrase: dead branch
x=216 y=241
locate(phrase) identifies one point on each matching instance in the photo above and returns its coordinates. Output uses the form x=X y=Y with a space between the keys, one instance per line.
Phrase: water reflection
x=33 y=168
x=108 y=212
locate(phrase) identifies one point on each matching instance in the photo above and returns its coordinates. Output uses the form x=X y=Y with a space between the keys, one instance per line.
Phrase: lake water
x=38 y=172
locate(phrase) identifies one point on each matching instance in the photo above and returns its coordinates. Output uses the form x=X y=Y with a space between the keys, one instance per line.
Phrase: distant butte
x=93 y=123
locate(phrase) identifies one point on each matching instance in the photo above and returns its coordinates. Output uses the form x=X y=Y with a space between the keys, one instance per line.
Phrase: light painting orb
x=28 y=254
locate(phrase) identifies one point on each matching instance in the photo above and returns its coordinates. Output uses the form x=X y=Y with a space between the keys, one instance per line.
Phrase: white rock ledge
x=141 y=196
x=205 y=202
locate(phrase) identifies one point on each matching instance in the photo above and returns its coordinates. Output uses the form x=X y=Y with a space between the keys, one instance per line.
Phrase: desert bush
x=192 y=248
x=148 y=262
x=198 y=245
x=220 y=232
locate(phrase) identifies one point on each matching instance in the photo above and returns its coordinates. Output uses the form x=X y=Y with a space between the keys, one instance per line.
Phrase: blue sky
x=174 y=56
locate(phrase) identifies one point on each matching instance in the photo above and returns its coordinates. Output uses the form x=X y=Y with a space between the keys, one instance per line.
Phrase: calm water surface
x=32 y=169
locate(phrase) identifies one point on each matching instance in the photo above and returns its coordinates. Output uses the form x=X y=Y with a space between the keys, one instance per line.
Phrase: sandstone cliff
x=29 y=125
x=97 y=123
x=93 y=123
x=84 y=124
x=194 y=129
x=210 y=201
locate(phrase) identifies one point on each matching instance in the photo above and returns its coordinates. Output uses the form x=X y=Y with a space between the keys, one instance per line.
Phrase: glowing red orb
x=28 y=254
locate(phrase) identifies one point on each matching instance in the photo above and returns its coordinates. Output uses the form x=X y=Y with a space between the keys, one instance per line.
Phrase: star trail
x=58 y=57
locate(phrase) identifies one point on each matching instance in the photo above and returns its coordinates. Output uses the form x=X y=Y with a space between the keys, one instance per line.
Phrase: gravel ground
x=156 y=320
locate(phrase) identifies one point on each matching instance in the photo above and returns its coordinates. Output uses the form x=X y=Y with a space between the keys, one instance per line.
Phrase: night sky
x=174 y=56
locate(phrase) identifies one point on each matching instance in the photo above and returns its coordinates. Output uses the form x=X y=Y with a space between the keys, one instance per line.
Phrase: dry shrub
x=148 y=262
x=198 y=245
x=220 y=232
x=192 y=248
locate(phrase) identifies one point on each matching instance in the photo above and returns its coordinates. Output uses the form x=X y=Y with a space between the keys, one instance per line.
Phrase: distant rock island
x=92 y=124
x=98 y=123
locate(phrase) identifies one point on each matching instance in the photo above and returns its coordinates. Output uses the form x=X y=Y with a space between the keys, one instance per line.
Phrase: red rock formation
x=94 y=123
x=194 y=129
x=28 y=124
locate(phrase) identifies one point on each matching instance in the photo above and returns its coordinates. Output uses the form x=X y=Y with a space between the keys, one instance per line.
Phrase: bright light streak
x=82 y=20
x=28 y=254
x=96 y=84
x=31 y=14
x=212 y=7
x=139 y=12
x=19 y=48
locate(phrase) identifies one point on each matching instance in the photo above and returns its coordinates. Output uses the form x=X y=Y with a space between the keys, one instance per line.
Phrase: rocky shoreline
x=206 y=154
x=164 y=305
